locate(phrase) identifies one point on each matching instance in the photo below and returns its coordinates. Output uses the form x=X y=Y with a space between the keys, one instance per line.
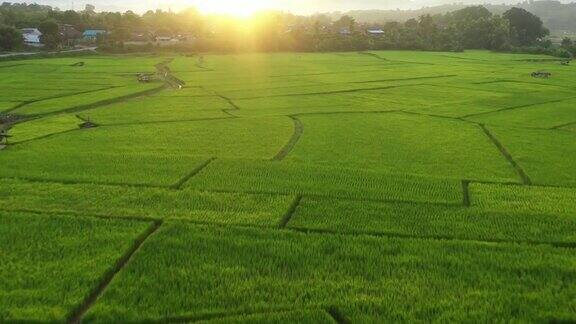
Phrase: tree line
x=472 y=27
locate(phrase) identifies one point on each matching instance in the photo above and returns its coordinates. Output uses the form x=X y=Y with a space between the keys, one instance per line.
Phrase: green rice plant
x=500 y=223
x=546 y=115
x=209 y=270
x=237 y=138
x=154 y=203
x=570 y=127
x=294 y=105
x=434 y=98
x=407 y=144
x=96 y=167
x=38 y=128
x=159 y=109
x=70 y=103
x=142 y=154
x=21 y=94
x=8 y=105
x=549 y=201
x=295 y=178
x=546 y=156
x=291 y=187
x=304 y=316
x=48 y=265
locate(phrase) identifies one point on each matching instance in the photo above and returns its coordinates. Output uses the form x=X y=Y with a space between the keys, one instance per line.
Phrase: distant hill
x=555 y=15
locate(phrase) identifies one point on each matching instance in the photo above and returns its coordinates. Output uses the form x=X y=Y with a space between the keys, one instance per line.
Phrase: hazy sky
x=247 y=6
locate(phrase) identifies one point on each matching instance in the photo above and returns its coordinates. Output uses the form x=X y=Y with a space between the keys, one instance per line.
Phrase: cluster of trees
x=14 y=16
x=10 y=38
x=468 y=28
x=556 y=15
x=569 y=46
x=32 y=15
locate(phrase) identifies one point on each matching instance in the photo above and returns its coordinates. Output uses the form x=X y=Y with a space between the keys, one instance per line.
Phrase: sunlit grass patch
x=297 y=178
x=208 y=270
x=153 y=203
x=49 y=264
x=404 y=143
x=502 y=223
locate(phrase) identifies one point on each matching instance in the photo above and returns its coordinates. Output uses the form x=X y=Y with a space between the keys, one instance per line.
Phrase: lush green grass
x=435 y=221
x=247 y=270
x=291 y=187
x=409 y=144
x=44 y=127
x=304 y=316
x=554 y=202
x=238 y=138
x=571 y=127
x=48 y=164
x=118 y=201
x=539 y=116
x=546 y=156
x=293 y=178
x=49 y=264
x=159 y=109
x=80 y=100
x=143 y=154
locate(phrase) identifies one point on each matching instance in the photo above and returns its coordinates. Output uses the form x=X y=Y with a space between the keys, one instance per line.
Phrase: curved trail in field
x=376 y=56
x=298 y=131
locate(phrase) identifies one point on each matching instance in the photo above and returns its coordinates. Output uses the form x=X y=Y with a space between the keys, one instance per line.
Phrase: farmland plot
x=387 y=186
x=547 y=156
x=140 y=154
x=49 y=264
x=434 y=147
x=292 y=178
x=44 y=127
x=434 y=221
x=151 y=203
x=159 y=109
x=247 y=270
x=549 y=115
x=549 y=201
x=81 y=101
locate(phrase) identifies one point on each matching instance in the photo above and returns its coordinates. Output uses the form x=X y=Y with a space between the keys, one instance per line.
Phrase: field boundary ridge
x=77 y=314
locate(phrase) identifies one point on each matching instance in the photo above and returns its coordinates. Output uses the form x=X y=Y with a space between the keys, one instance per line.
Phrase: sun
x=243 y=8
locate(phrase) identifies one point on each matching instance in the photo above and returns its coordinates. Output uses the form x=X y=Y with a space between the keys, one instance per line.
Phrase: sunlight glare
x=244 y=8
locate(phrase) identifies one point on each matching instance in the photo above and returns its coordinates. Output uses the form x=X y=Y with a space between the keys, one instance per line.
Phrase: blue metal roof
x=93 y=32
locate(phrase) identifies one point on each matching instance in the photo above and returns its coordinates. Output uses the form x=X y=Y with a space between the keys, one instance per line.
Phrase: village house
x=93 y=34
x=375 y=32
x=32 y=37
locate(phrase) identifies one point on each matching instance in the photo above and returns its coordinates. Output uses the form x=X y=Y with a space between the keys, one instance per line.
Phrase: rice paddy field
x=279 y=188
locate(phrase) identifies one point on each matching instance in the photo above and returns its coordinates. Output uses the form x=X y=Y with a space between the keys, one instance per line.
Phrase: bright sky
x=247 y=7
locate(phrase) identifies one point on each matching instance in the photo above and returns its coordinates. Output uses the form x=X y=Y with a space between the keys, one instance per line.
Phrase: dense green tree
x=50 y=34
x=10 y=38
x=525 y=28
x=472 y=27
x=346 y=22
